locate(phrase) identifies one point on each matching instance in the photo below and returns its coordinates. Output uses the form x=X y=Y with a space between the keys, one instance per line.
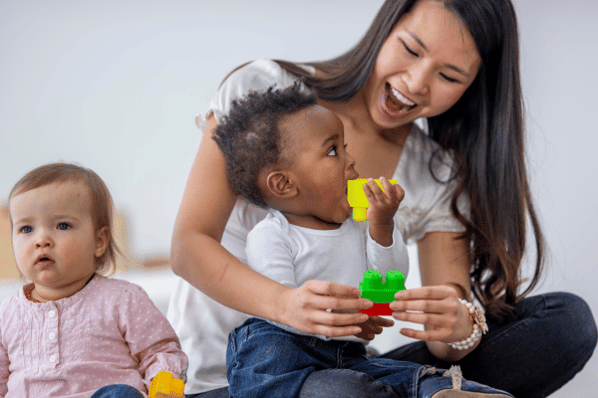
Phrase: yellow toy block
x=163 y=385
x=357 y=199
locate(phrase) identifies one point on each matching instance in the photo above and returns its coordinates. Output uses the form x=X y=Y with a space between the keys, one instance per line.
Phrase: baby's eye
x=26 y=229
x=332 y=151
x=63 y=226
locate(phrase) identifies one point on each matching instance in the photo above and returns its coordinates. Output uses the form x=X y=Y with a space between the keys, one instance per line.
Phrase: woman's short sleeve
x=258 y=76
x=439 y=218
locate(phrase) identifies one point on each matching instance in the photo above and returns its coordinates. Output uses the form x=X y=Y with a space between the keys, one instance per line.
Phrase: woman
x=467 y=205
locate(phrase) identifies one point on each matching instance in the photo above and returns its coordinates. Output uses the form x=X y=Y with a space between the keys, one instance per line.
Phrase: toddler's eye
x=63 y=226
x=26 y=229
x=332 y=151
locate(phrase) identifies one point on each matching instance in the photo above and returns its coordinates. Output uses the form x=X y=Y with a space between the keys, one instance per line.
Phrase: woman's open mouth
x=394 y=104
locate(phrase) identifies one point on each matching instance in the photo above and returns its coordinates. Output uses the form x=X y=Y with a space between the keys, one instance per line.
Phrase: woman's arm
x=444 y=265
x=199 y=258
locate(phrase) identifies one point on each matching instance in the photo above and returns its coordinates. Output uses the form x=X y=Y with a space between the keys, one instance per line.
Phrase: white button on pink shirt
x=110 y=332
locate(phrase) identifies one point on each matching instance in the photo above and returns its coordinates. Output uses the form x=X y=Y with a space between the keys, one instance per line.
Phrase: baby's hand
x=382 y=209
x=383 y=206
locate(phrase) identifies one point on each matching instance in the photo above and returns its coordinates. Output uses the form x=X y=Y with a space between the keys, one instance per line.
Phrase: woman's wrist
x=479 y=327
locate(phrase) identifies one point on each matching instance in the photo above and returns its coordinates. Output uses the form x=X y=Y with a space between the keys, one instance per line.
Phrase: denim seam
x=416 y=378
x=233 y=341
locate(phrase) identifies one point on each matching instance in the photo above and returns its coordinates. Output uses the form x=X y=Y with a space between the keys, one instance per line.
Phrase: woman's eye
x=409 y=50
x=448 y=79
x=63 y=226
x=26 y=229
x=332 y=151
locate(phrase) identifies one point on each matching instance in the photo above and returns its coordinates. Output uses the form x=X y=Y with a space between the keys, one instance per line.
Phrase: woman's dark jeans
x=548 y=341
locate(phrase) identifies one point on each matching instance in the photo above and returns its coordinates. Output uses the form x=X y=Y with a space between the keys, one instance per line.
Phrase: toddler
x=285 y=152
x=72 y=332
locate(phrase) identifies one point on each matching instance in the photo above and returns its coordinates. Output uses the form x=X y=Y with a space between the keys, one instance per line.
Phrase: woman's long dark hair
x=484 y=131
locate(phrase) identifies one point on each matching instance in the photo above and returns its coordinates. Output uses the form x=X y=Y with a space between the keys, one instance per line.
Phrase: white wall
x=115 y=86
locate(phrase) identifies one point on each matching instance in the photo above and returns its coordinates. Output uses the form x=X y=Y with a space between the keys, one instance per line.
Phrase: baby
x=285 y=152
x=72 y=332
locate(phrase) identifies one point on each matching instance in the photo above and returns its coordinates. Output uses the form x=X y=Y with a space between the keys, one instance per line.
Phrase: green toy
x=381 y=293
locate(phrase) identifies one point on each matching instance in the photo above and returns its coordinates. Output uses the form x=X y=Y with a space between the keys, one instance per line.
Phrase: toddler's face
x=320 y=162
x=54 y=239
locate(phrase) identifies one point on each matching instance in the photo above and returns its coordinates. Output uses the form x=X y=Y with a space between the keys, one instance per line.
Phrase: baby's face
x=320 y=163
x=54 y=238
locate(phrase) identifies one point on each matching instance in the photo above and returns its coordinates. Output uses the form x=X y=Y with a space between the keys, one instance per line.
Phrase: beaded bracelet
x=479 y=327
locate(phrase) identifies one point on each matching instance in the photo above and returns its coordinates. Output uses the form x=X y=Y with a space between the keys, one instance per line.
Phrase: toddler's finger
x=375 y=188
x=399 y=191
x=388 y=187
x=368 y=191
x=381 y=321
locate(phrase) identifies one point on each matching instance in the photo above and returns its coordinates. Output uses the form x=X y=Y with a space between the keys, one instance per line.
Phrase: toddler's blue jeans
x=532 y=354
x=264 y=360
x=117 y=391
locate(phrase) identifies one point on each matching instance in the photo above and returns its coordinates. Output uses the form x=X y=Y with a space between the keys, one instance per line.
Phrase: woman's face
x=424 y=66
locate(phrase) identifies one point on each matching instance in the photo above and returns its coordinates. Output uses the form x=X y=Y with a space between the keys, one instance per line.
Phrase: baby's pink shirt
x=109 y=332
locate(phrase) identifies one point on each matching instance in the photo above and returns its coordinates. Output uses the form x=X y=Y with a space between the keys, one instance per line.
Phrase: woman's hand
x=373 y=326
x=435 y=307
x=306 y=309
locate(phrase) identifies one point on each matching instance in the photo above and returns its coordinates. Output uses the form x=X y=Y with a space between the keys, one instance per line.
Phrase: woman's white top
x=203 y=325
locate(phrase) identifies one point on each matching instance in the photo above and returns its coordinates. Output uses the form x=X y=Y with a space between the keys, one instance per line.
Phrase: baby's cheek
x=18 y=245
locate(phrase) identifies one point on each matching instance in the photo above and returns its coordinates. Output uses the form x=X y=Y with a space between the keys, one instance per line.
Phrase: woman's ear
x=279 y=185
x=102 y=240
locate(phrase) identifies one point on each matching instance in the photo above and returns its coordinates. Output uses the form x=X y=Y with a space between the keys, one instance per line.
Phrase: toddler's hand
x=383 y=206
x=373 y=326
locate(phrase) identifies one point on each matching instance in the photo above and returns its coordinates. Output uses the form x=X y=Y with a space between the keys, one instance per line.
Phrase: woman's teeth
x=398 y=96
x=395 y=103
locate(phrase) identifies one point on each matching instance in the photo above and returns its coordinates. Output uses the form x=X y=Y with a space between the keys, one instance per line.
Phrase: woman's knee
x=575 y=323
x=344 y=383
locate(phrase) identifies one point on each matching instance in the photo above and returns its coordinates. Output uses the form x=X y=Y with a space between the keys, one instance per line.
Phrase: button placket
x=51 y=334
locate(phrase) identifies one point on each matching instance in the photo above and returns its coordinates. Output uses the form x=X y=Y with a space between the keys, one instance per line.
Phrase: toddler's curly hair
x=250 y=137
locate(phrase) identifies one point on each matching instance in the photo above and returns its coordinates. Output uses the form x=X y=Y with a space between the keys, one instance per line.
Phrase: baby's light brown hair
x=101 y=200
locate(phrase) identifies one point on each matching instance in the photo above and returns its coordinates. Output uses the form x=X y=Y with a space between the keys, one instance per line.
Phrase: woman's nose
x=417 y=82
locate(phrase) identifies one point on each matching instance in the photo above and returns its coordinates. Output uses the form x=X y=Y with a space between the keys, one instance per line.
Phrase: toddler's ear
x=102 y=240
x=279 y=185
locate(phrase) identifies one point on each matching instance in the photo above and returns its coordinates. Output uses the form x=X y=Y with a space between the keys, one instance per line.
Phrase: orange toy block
x=165 y=386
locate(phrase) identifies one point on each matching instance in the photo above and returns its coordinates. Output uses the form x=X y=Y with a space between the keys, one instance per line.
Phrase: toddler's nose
x=350 y=167
x=43 y=241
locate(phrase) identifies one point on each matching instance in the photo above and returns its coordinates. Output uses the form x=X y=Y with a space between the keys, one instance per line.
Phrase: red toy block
x=378 y=309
